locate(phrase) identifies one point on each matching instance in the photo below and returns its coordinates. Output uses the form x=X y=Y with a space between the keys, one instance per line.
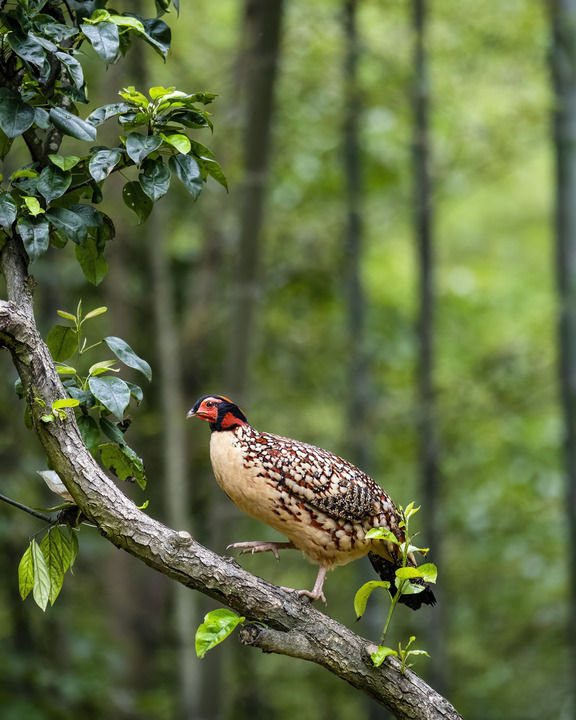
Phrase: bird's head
x=220 y=412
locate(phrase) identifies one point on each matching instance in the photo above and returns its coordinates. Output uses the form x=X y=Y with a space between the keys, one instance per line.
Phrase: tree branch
x=293 y=626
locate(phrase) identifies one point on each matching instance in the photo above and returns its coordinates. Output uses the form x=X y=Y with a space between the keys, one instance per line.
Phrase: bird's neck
x=228 y=421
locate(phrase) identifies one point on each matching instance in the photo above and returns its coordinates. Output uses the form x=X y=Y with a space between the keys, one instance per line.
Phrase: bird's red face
x=219 y=411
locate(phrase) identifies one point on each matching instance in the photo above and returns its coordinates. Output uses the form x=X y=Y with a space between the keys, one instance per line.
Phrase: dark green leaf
x=104 y=39
x=35 y=234
x=72 y=125
x=53 y=183
x=105 y=112
x=125 y=354
x=363 y=593
x=216 y=627
x=91 y=260
x=41 y=118
x=136 y=199
x=41 y=589
x=136 y=392
x=157 y=34
x=90 y=432
x=213 y=168
x=29 y=49
x=112 y=392
x=26 y=573
x=5 y=144
x=103 y=162
x=62 y=342
x=112 y=431
x=91 y=217
x=59 y=32
x=73 y=68
x=68 y=223
x=154 y=178
x=139 y=146
x=123 y=462
x=69 y=539
x=15 y=116
x=188 y=172
x=8 y=209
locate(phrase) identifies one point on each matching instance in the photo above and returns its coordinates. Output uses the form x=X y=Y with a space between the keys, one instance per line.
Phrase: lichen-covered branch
x=292 y=626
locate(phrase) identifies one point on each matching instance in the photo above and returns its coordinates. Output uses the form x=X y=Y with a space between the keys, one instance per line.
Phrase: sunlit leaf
x=380 y=654
x=363 y=593
x=216 y=627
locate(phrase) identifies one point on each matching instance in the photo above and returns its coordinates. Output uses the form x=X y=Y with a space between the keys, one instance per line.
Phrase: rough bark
x=563 y=65
x=293 y=626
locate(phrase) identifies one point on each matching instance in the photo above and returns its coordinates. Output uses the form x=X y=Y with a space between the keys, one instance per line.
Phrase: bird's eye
x=209 y=403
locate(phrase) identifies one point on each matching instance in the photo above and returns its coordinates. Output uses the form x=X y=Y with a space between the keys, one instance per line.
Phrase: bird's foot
x=307 y=593
x=257 y=546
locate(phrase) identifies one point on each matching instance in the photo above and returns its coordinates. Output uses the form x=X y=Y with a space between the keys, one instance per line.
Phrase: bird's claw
x=308 y=594
x=255 y=547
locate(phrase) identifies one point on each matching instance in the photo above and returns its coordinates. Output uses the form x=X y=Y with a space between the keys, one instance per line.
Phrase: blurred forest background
x=379 y=281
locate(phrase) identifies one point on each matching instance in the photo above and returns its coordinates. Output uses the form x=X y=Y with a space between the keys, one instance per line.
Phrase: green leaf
x=407 y=573
x=92 y=261
x=180 y=142
x=136 y=392
x=41 y=589
x=103 y=162
x=382 y=534
x=16 y=116
x=30 y=50
x=51 y=547
x=101 y=114
x=105 y=40
x=65 y=403
x=188 y=172
x=26 y=573
x=8 y=209
x=90 y=432
x=123 y=462
x=154 y=178
x=136 y=199
x=70 y=124
x=73 y=68
x=124 y=353
x=112 y=392
x=53 y=183
x=216 y=627
x=213 y=169
x=69 y=223
x=139 y=146
x=62 y=342
x=69 y=539
x=65 y=162
x=409 y=588
x=133 y=96
x=363 y=593
x=101 y=367
x=96 y=312
x=429 y=572
x=112 y=431
x=157 y=34
x=380 y=654
x=33 y=205
x=35 y=235
x=127 y=22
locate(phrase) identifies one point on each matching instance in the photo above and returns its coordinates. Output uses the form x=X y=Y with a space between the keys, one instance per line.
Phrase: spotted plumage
x=323 y=504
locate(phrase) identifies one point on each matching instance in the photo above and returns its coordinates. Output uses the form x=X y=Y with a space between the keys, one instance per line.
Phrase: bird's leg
x=316 y=592
x=256 y=546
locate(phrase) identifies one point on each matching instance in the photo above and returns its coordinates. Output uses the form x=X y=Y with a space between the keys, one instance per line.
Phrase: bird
x=320 y=502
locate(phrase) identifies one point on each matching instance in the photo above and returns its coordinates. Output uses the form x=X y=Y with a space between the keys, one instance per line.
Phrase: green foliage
x=403 y=653
x=51 y=200
x=43 y=566
x=97 y=394
x=403 y=582
x=217 y=625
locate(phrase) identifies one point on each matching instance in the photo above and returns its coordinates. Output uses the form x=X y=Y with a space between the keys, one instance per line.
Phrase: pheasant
x=323 y=504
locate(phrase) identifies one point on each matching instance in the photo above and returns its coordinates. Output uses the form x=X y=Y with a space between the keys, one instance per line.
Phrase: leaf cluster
x=52 y=199
x=43 y=565
x=409 y=580
x=99 y=397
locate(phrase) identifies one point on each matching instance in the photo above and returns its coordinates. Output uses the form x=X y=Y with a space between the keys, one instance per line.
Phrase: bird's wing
x=326 y=482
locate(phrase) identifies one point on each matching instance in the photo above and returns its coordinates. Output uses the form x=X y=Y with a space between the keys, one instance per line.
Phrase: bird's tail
x=387 y=571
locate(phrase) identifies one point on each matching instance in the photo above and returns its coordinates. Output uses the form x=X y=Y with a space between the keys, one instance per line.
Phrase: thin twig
x=25 y=508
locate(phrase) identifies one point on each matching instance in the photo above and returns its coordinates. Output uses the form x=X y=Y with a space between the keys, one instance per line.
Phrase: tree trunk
x=563 y=65
x=424 y=241
x=264 y=22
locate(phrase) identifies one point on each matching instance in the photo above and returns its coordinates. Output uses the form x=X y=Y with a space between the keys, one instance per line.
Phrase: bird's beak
x=190 y=414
